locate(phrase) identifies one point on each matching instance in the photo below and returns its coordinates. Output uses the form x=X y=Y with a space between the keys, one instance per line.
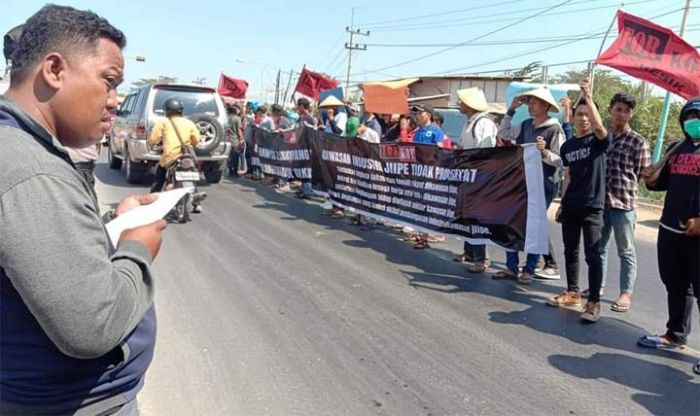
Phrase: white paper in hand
x=145 y=214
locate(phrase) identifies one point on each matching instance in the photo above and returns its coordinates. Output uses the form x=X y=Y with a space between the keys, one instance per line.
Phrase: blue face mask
x=692 y=127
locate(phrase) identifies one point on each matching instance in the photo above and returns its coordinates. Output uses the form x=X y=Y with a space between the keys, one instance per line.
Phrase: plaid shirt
x=627 y=156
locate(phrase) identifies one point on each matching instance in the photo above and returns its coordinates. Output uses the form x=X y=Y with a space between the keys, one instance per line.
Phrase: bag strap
x=177 y=133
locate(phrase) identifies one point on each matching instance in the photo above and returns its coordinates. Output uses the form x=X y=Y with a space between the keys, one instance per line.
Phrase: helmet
x=172 y=106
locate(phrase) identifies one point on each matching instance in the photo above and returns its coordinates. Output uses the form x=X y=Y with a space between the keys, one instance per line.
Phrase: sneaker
x=197 y=209
x=591 y=312
x=566 y=298
x=548 y=273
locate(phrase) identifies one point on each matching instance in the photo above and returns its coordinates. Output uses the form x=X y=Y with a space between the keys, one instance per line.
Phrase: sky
x=254 y=39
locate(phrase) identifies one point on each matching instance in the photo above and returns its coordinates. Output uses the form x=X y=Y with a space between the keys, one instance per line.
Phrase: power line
x=340 y=52
x=469 y=18
x=471 y=9
x=533 y=51
x=471 y=40
x=337 y=41
x=474 y=20
x=495 y=42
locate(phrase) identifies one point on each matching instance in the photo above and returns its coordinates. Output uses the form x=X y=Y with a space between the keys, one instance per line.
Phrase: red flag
x=654 y=53
x=232 y=87
x=312 y=83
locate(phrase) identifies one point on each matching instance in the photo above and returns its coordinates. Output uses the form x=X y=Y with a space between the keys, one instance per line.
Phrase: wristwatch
x=109 y=215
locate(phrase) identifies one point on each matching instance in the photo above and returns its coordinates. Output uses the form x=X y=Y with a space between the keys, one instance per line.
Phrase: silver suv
x=143 y=108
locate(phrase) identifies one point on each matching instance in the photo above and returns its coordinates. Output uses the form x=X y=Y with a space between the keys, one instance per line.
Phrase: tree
x=528 y=71
x=648 y=110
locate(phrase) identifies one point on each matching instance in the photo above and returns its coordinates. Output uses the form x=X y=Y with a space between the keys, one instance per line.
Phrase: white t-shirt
x=370 y=135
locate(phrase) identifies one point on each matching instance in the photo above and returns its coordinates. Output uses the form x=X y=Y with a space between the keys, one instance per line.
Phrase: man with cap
x=336 y=120
x=479 y=132
x=547 y=133
x=678 y=243
x=428 y=132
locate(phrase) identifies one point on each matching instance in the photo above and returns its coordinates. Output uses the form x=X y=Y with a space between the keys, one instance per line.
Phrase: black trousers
x=589 y=222
x=679 y=268
x=477 y=252
x=159 y=179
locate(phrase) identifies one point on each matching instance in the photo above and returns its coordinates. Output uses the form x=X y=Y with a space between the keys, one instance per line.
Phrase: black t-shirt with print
x=585 y=158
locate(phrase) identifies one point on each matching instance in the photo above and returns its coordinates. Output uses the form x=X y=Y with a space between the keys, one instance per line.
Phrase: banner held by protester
x=484 y=195
x=283 y=154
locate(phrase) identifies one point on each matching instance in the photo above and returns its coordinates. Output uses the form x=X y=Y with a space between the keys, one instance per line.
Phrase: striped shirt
x=627 y=156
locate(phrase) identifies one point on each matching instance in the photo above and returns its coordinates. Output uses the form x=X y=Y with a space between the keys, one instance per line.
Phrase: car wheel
x=114 y=162
x=211 y=133
x=213 y=173
x=133 y=174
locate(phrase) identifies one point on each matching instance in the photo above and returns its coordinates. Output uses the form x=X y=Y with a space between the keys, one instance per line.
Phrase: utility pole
x=353 y=47
x=289 y=83
x=277 y=86
x=667 y=102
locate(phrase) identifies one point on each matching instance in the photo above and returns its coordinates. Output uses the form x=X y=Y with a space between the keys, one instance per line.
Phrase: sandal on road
x=462 y=258
x=525 y=278
x=504 y=275
x=658 y=342
x=421 y=244
x=619 y=307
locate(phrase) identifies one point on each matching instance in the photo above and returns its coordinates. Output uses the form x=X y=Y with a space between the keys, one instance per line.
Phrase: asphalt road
x=267 y=307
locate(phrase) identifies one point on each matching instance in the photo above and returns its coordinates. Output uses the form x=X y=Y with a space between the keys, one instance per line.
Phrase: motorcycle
x=183 y=173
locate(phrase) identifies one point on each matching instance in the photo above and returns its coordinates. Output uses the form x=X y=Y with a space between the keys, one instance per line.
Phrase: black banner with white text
x=481 y=195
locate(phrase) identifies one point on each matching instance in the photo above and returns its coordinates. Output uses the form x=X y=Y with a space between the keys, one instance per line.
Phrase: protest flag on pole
x=232 y=87
x=655 y=54
x=312 y=83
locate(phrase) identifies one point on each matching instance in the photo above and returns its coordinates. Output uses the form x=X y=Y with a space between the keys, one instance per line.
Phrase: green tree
x=648 y=111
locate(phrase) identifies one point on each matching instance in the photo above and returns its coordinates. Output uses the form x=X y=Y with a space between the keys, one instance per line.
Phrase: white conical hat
x=331 y=101
x=473 y=98
x=545 y=95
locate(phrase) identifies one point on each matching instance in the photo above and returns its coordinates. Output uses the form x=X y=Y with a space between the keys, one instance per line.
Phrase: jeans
x=513 y=258
x=679 y=269
x=477 y=252
x=249 y=160
x=576 y=220
x=622 y=223
x=306 y=187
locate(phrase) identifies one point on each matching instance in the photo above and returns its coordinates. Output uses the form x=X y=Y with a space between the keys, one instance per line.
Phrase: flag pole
x=667 y=101
x=591 y=74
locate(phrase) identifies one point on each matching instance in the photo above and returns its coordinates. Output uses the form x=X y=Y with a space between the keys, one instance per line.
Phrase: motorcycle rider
x=164 y=133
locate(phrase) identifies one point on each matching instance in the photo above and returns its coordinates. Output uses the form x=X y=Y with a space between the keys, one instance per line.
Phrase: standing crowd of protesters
x=602 y=167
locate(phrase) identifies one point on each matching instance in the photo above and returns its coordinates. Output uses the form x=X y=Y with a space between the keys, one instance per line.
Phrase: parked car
x=143 y=108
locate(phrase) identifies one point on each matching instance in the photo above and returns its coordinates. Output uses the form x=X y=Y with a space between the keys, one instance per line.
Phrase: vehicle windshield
x=454 y=123
x=194 y=102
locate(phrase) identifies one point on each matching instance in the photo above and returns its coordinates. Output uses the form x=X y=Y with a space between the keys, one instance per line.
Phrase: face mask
x=692 y=127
